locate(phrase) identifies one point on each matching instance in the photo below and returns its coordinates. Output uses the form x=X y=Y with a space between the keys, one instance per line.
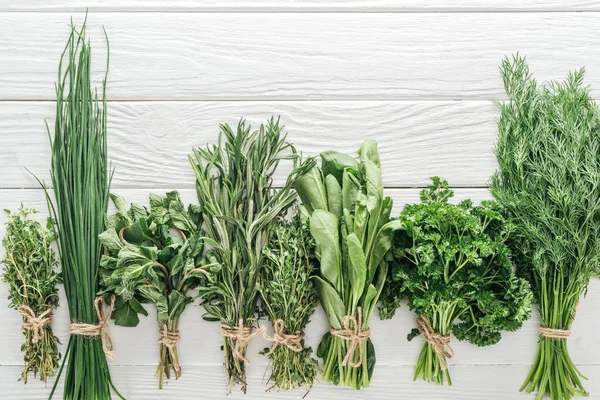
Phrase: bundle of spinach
x=31 y=276
x=153 y=256
x=240 y=207
x=349 y=220
x=549 y=156
x=288 y=296
x=452 y=264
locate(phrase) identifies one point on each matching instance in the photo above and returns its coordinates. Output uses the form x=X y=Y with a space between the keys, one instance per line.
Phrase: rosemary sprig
x=289 y=298
x=80 y=179
x=31 y=276
x=234 y=181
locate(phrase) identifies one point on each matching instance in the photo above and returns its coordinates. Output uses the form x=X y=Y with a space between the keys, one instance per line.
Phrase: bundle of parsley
x=452 y=264
x=153 y=256
x=350 y=223
x=31 y=276
x=80 y=179
x=549 y=156
x=240 y=207
x=289 y=299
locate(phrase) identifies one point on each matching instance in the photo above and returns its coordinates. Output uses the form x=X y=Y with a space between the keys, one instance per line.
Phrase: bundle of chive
x=80 y=178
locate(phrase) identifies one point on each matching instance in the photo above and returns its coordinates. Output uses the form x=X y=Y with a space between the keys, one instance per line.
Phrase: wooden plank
x=149 y=141
x=221 y=56
x=138 y=346
x=471 y=382
x=300 y=6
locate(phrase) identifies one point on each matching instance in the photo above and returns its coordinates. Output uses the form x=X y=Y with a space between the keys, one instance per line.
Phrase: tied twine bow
x=100 y=329
x=241 y=335
x=169 y=339
x=558 y=333
x=352 y=332
x=440 y=343
x=293 y=342
x=35 y=323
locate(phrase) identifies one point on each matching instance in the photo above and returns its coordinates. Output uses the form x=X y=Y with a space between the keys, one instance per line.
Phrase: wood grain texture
x=262 y=56
x=301 y=6
x=471 y=382
x=149 y=142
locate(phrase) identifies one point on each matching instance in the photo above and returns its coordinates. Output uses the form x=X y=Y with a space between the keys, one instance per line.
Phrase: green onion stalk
x=80 y=178
x=549 y=156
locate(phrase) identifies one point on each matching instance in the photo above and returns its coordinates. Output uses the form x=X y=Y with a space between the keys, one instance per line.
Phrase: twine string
x=352 y=331
x=241 y=335
x=558 y=333
x=35 y=323
x=440 y=343
x=280 y=338
x=101 y=328
x=169 y=339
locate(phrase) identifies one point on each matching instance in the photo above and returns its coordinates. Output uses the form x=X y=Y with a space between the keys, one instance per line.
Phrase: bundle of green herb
x=240 y=207
x=289 y=299
x=29 y=272
x=349 y=220
x=452 y=264
x=549 y=156
x=153 y=256
x=80 y=179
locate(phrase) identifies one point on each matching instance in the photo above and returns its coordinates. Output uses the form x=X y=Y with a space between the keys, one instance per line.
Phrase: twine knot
x=440 y=343
x=169 y=339
x=100 y=329
x=35 y=323
x=279 y=338
x=355 y=335
x=555 y=333
x=241 y=335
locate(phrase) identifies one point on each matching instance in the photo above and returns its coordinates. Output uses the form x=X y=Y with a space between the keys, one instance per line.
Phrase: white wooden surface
x=418 y=76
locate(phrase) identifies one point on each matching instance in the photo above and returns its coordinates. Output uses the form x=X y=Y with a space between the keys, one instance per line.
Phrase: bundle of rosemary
x=80 y=179
x=153 y=256
x=289 y=299
x=240 y=207
x=29 y=273
x=549 y=156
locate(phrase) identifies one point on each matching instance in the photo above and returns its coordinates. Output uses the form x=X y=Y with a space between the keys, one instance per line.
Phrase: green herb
x=549 y=155
x=452 y=264
x=289 y=298
x=29 y=272
x=153 y=256
x=80 y=178
x=349 y=220
x=240 y=207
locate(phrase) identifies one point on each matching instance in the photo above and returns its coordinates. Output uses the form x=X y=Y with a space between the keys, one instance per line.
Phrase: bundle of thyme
x=153 y=256
x=31 y=276
x=240 y=206
x=289 y=299
x=549 y=156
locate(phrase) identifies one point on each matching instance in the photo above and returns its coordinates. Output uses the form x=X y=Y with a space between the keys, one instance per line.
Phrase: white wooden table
x=418 y=76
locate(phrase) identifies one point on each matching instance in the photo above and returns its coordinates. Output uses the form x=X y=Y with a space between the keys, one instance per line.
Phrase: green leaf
x=119 y=203
x=382 y=244
x=334 y=195
x=374 y=185
x=125 y=313
x=134 y=234
x=151 y=253
x=335 y=163
x=371 y=359
x=324 y=228
x=331 y=302
x=311 y=189
x=368 y=152
x=177 y=302
x=357 y=267
x=350 y=188
x=110 y=240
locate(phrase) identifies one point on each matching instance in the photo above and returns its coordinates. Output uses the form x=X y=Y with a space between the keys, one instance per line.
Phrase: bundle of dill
x=31 y=276
x=549 y=156
x=80 y=179
x=240 y=206
x=289 y=299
